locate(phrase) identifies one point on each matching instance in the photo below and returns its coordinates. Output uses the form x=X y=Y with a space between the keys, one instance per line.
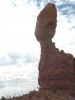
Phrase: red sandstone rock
x=55 y=67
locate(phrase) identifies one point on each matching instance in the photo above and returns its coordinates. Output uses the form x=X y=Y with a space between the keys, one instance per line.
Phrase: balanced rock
x=56 y=68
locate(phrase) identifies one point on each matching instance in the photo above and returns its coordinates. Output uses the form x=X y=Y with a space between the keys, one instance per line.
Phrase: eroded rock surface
x=56 y=68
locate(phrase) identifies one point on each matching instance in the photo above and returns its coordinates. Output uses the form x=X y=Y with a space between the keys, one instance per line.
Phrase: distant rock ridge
x=56 y=68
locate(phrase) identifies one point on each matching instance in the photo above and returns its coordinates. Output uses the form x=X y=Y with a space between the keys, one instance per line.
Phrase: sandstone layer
x=56 y=68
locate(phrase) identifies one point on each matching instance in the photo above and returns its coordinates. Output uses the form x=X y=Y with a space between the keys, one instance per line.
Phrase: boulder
x=56 y=68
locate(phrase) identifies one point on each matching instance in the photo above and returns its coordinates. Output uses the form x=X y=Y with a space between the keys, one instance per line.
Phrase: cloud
x=18 y=57
x=17 y=32
x=6 y=60
x=2 y=85
x=67 y=8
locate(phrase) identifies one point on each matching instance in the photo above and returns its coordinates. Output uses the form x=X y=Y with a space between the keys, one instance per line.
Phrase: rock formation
x=56 y=68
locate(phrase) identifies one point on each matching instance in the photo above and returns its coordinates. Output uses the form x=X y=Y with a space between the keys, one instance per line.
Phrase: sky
x=17 y=26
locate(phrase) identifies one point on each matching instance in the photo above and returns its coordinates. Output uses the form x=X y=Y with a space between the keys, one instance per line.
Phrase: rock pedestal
x=56 y=68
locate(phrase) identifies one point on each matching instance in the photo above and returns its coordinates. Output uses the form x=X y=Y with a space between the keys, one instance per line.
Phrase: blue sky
x=17 y=25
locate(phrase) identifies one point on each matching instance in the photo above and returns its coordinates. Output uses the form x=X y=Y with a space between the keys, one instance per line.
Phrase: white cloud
x=17 y=25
